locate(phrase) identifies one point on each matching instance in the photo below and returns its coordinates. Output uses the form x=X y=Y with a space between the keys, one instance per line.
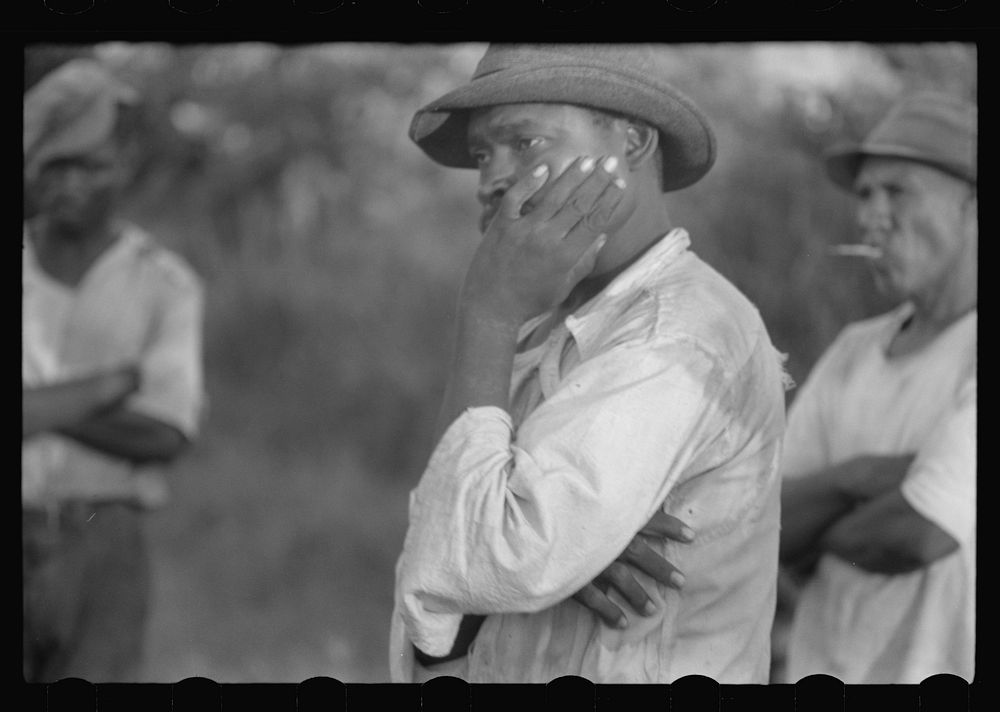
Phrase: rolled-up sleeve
x=171 y=359
x=516 y=522
x=941 y=483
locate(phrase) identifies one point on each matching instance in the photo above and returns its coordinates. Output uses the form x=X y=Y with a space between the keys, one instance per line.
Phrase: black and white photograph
x=386 y=361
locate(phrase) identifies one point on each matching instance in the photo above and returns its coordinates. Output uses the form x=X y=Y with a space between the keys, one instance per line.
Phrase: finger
x=535 y=199
x=666 y=526
x=585 y=264
x=587 y=196
x=593 y=598
x=596 y=220
x=620 y=577
x=563 y=186
x=643 y=557
x=514 y=199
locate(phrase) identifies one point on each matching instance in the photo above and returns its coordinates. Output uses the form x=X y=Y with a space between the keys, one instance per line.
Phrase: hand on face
x=540 y=242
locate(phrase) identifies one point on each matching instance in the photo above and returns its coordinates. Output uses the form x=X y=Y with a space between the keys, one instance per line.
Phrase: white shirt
x=662 y=391
x=138 y=303
x=866 y=627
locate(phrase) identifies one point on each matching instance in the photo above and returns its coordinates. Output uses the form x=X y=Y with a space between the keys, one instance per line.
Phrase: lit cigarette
x=872 y=253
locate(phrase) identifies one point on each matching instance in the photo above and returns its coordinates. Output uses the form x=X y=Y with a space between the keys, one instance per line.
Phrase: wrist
x=491 y=314
x=115 y=386
x=845 y=482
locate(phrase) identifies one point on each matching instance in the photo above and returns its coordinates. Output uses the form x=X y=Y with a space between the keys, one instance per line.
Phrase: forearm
x=127 y=435
x=480 y=376
x=46 y=408
x=809 y=506
x=887 y=536
x=482 y=363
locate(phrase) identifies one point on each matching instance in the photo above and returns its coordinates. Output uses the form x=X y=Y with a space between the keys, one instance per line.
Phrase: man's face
x=921 y=218
x=509 y=140
x=78 y=191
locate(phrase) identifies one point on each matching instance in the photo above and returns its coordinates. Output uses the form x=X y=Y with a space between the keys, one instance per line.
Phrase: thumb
x=585 y=265
x=524 y=189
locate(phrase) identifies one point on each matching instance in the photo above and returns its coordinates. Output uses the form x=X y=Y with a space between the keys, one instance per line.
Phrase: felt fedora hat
x=622 y=79
x=928 y=127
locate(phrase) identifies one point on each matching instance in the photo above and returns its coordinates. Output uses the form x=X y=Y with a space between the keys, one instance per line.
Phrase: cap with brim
x=621 y=79
x=72 y=109
x=930 y=128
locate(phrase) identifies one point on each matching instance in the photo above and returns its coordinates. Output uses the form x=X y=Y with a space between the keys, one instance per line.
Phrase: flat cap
x=71 y=109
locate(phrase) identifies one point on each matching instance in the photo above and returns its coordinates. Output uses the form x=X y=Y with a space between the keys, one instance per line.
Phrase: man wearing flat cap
x=879 y=493
x=603 y=374
x=112 y=383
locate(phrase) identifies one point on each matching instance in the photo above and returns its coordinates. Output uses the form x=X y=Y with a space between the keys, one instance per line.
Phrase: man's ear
x=641 y=142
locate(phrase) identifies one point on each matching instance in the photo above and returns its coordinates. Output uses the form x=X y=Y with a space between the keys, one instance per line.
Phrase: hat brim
x=843 y=162
x=687 y=141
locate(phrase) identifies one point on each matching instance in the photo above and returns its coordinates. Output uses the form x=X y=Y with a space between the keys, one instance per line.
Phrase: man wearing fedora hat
x=879 y=493
x=111 y=375
x=602 y=374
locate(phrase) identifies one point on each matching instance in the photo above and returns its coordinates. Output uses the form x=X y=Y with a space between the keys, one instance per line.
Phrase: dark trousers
x=86 y=592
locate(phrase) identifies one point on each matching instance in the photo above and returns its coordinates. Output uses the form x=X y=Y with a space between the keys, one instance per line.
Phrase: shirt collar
x=129 y=241
x=628 y=285
x=667 y=249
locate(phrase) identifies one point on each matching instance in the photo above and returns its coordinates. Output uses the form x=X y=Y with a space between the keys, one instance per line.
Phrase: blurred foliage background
x=332 y=251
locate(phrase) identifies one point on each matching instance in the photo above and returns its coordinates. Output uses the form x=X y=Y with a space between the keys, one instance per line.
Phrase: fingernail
x=620 y=183
x=687 y=533
x=611 y=164
x=540 y=171
x=649 y=609
x=587 y=164
x=622 y=622
x=601 y=239
x=677 y=579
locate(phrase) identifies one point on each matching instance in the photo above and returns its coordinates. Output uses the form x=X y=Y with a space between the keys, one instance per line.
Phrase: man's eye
x=523 y=144
x=479 y=157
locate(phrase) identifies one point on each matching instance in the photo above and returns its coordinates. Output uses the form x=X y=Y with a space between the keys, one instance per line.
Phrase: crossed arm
x=91 y=411
x=856 y=511
x=116 y=410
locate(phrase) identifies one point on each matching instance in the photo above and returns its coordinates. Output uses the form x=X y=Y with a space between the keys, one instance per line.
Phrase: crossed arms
x=141 y=411
x=91 y=410
x=888 y=514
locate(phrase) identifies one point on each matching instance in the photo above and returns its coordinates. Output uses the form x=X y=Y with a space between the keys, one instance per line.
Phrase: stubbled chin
x=885 y=283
